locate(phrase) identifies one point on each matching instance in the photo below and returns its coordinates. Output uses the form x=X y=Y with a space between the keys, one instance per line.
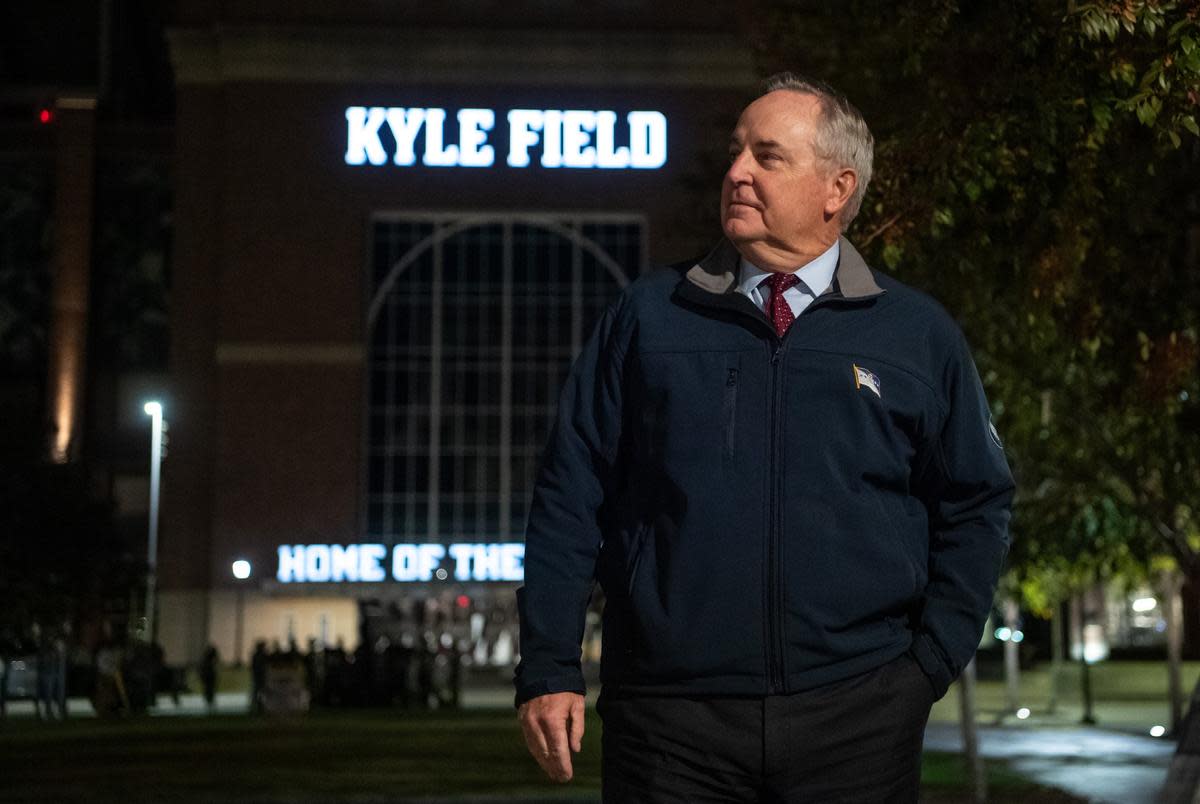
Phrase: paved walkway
x=192 y=704
x=1101 y=766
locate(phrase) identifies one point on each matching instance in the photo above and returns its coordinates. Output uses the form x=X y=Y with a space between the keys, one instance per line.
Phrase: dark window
x=503 y=304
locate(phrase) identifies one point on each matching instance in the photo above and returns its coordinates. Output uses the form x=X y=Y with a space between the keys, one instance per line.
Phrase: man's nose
x=739 y=169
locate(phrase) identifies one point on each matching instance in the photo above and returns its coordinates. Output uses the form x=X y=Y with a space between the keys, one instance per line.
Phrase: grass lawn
x=1127 y=694
x=331 y=756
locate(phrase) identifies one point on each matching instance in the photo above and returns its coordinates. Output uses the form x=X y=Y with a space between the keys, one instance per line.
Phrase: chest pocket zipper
x=639 y=547
x=730 y=411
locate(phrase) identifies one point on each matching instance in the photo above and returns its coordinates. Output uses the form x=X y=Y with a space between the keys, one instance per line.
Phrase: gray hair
x=842 y=138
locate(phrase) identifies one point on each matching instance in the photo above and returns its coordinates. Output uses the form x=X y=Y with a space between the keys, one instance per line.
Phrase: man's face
x=777 y=194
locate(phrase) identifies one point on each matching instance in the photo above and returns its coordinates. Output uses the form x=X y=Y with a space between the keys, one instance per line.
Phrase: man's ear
x=840 y=189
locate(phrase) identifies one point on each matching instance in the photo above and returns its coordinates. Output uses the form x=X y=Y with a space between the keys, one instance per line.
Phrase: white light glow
x=1017 y=636
x=1157 y=731
x=578 y=126
x=1095 y=645
x=1144 y=604
x=437 y=154
x=1022 y=713
x=153 y=408
x=523 y=128
x=569 y=138
x=336 y=563
x=415 y=562
x=405 y=123
x=473 y=126
x=647 y=140
x=606 y=155
x=1003 y=633
x=241 y=569
x=483 y=562
x=362 y=136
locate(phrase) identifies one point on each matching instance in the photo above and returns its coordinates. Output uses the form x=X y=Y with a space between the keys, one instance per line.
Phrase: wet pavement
x=1095 y=764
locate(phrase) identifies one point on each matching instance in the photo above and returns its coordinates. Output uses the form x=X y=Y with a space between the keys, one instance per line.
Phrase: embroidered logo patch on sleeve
x=866 y=379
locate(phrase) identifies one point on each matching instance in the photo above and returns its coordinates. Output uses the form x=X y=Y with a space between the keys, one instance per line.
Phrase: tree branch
x=1179 y=547
x=883 y=227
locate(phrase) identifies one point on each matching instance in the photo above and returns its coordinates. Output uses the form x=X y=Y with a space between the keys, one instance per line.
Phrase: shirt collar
x=816 y=275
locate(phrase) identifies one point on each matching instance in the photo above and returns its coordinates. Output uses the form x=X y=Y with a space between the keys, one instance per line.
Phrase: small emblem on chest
x=864 y=378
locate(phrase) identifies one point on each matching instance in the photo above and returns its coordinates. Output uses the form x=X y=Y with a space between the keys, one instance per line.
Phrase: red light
x=463 y=601
x=45 y=115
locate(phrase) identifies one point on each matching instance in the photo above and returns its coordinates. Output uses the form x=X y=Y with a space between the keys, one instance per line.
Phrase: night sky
x=54 y=45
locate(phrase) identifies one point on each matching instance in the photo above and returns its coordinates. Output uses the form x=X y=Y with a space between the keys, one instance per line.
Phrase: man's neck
x=785 y=259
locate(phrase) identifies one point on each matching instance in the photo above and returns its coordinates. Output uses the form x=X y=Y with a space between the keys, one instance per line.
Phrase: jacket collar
x=717 y=273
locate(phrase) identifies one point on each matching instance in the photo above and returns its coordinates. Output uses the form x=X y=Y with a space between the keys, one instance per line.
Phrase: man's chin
x=739 y=231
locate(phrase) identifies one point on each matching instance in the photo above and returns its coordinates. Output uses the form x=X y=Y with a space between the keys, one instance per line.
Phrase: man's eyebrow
x=769 y=144
x=759 y=143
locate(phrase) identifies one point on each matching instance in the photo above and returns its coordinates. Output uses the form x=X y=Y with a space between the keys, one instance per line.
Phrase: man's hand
x=548 y=721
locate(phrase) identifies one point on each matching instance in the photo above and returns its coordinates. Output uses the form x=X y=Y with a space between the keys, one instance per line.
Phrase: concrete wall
x=266 y=618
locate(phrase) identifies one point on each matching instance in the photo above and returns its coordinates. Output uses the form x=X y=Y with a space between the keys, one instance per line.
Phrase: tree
x=24 y=259
x=62 y=559
x=1038 y=171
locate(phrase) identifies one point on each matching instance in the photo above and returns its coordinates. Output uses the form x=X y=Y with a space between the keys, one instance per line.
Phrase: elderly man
x=780 y=466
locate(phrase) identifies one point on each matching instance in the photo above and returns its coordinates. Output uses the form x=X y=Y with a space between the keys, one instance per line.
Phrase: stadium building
x=392 y=231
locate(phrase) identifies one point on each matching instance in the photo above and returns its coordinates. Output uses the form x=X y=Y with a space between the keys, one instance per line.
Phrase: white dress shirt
x=814 y=276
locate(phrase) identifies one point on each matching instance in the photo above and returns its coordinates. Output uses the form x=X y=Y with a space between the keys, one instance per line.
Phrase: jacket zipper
x=774 y=623
x=775 y=627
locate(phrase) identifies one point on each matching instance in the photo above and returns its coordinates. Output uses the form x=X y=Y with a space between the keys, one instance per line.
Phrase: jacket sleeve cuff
x=934 y=668
x=565 y=683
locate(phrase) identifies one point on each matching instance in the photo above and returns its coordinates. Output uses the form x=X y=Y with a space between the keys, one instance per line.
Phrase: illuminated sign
x=369 y=563
x=571 y=138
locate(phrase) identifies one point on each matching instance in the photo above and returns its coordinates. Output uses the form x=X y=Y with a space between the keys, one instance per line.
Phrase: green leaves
x=892 y=255
x=1151 y=61
x=1033 y=173
x=1146 y=107
x=1124 y=72
x=943 y=218
x=1095 y=23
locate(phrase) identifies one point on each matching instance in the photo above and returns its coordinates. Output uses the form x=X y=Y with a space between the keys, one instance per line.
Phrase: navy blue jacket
x=764 y=514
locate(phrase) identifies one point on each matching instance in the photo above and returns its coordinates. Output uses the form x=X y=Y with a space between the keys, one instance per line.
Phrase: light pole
x=155 y=411
x=241 y=572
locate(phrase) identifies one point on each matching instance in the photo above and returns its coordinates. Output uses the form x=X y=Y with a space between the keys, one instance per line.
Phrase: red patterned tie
x=778 y=308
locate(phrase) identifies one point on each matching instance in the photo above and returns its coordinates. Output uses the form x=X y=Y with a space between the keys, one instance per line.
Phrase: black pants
x=856 y=740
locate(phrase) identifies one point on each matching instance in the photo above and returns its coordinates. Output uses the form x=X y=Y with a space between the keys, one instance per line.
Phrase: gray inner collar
x=718 y=272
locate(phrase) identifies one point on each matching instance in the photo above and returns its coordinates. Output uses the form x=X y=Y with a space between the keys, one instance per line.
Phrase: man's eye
x=768 y=157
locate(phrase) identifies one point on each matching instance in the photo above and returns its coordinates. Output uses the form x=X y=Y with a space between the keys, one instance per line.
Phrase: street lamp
x=1091 y=650
x=155 y=411
x=241 y=572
